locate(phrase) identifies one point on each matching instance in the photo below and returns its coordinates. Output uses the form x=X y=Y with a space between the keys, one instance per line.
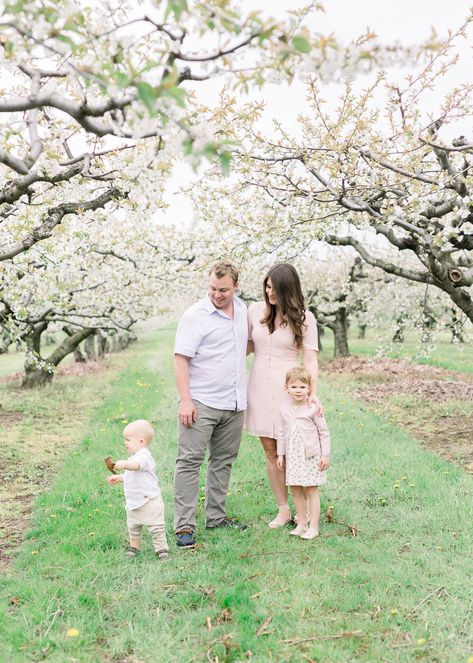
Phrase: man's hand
x=324 y=463
x=280 y=463
x=187 y=412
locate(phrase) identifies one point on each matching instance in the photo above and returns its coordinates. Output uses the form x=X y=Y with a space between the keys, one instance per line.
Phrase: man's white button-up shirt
x=216 y=345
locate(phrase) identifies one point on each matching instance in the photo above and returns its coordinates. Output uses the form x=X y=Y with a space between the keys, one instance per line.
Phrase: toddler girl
x=303 y=440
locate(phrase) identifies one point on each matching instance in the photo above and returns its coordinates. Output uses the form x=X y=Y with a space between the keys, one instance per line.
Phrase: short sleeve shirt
x=141 y=485
x=216 y=345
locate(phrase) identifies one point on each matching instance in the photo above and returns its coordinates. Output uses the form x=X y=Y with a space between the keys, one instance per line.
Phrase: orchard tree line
x=99 y=102
x=96 y=106
x=386 y=173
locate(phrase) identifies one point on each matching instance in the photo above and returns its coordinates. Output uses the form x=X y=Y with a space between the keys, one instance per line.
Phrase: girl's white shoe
x=310 y=533
x=298 y=531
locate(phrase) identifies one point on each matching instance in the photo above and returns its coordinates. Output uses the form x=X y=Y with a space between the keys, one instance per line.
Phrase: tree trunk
x=38 y=371
x=340 y=333
x=89 y=347
x=320 y=333
x=362 y=331
x=125 y=340
x=456 y=327
x=36 y=376
x=103 y=345
x=79 y=356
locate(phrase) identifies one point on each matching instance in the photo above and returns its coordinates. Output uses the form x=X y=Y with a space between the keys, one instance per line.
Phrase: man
x=210 y=370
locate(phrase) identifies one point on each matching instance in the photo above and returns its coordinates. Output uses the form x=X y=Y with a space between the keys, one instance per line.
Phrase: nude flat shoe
x=298 y=531
x=310 y=534
x=278 y=522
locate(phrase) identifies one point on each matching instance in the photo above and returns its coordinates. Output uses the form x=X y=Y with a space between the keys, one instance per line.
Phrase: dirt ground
x=38 y=432
x=435 y=405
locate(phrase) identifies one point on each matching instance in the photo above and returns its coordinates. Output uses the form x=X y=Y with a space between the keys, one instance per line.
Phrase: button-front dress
x=274 y=354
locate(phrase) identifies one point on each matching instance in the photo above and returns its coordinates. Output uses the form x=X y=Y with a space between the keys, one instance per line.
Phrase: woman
x=281 y=331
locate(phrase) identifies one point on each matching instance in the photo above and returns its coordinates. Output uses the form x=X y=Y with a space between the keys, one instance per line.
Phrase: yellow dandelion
x=109 y=506
x=396 y=485
x=91 y=533
x=411 y=485
x=394 y=611
x=446 y=472
x=34 y=552
x=421 y=641
x=404 y=479
x=53 y=515
x=97 y=510
x=72 y=633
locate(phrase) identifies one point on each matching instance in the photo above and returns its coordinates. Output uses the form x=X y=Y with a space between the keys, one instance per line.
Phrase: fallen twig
x=262 y=628
x=278 y=552
x=330 y=519
x=209 y=623
x=58 y=612
x=438 y=591
x=345 y=634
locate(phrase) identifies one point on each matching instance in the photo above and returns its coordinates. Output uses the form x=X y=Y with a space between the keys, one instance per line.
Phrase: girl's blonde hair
x=299 y=373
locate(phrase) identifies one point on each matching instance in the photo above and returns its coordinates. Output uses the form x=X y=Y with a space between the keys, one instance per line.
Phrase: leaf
x=67 y=40
x=187 y=146
x=225 y=159
x=265 y=35
x=148 y=96
x=301 y=44
x=122 y=79
x=177 y=93
x=176 y=7
x=9 y=48
x=15 y=8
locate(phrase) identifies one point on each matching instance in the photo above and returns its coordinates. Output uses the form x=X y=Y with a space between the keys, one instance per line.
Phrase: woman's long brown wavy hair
x=287 y=288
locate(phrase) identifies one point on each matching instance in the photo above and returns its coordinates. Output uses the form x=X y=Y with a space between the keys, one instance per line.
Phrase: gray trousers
x=219 y=431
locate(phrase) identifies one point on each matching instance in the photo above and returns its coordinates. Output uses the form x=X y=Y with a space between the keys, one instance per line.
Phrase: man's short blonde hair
x=225 y=268
x=299 y=373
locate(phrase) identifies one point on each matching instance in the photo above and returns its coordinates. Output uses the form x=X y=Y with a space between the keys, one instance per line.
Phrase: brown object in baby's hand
x=110 y=464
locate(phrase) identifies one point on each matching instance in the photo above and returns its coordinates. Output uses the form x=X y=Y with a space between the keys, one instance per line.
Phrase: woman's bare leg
x=277 y=480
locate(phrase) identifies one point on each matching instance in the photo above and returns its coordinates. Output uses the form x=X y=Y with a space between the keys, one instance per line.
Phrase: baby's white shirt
x=141 y=485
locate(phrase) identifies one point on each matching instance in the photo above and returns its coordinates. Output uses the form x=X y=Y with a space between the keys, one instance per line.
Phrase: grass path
x=399 y=591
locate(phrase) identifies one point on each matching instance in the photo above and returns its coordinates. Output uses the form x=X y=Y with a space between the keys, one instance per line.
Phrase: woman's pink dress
x=274 y=355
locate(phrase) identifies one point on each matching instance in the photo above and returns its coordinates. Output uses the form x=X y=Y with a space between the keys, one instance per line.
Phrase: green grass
x=403 y=584
x=444 y=354
x=11 y=362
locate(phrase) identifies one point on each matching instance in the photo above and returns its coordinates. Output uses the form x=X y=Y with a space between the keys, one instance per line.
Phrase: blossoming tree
x=389 y=181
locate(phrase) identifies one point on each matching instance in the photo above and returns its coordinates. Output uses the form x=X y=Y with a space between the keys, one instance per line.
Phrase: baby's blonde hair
x=298 y=373
x=142 y=428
